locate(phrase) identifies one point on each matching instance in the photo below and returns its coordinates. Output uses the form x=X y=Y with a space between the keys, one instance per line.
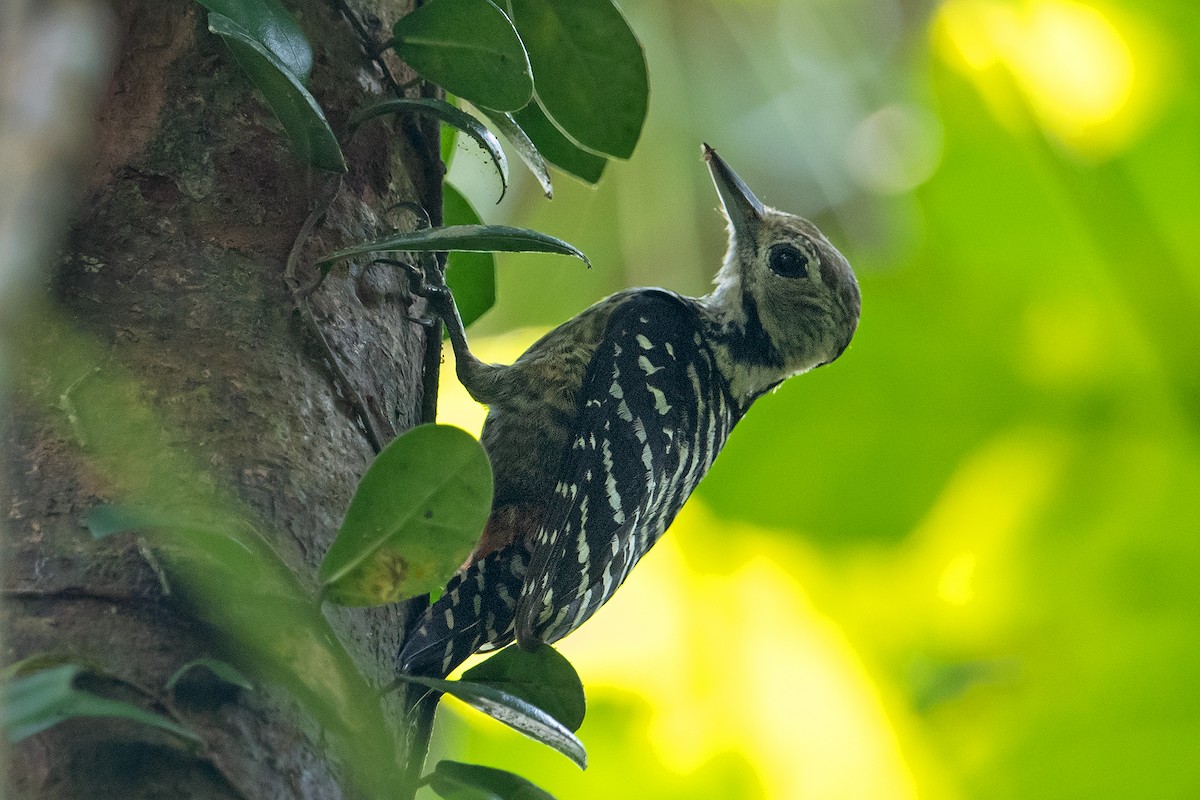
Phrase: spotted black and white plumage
x=601 y=430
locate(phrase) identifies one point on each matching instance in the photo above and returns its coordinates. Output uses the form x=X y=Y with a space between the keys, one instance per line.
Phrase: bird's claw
x=414 y=274
x=424 y=322
x=437 y=293
x=439 y=298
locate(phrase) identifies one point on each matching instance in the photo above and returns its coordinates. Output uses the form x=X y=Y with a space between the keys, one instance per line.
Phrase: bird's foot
x=432 y=288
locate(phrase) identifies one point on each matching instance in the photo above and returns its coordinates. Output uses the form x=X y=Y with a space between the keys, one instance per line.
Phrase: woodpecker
x=600 y=431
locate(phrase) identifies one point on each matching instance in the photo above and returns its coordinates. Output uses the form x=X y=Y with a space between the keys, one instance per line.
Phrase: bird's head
x=783 y=284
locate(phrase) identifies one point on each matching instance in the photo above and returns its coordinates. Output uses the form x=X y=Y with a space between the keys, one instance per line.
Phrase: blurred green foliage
x=961 y=562
x=207 y=552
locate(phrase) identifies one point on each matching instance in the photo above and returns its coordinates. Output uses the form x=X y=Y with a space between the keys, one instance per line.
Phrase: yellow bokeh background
x=962 y=561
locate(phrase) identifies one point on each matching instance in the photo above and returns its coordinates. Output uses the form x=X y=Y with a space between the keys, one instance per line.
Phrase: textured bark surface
x=174 y=269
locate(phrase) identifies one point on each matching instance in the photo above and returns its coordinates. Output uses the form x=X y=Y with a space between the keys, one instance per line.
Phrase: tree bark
x=173 y=273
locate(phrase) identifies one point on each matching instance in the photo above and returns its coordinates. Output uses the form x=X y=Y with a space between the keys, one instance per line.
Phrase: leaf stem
x=418 y=744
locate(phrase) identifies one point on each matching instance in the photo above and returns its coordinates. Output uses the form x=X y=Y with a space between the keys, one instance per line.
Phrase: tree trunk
x=171 y=284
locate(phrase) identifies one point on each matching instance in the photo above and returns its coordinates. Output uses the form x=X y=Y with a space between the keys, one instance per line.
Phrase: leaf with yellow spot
x=417 y=513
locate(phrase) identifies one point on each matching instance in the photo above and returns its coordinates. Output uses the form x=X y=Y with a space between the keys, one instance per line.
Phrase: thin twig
x=344 y=384
x=418 y=745
x=431 y=366
x=320 y=208
x=300 y=296
x=431 y=370
x=428 y=141
x=372 y=48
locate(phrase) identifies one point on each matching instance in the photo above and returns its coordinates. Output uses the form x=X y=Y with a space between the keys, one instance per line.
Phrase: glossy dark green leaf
x=462 y=238
x=222 y=670
x=470 y=49
x=544 y=678
x=296 y=109
x=40 y=700
x=417 y=513
x=556 y=147
x=270 y=24
x=444 y=112
x=525 y=148
x=470 y=276
x=589 y=69
x=453 y=780
x=513 y=711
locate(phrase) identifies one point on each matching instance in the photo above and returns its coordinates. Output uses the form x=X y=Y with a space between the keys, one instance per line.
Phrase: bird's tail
x=476 y=612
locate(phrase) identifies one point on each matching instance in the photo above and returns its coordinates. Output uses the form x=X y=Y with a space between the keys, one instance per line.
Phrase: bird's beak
x=741 y=206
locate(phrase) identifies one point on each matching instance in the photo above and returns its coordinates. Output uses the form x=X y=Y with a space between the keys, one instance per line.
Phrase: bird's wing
x=653 y=412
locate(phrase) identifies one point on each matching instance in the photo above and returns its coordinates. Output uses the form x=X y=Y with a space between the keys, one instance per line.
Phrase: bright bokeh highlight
x=1072 y=63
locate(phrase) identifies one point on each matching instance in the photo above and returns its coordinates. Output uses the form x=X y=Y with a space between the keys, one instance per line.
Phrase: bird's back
x=588 y=476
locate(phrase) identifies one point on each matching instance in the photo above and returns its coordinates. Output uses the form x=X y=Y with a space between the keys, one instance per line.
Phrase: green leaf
x=449 y=137
x=470 y=276
x=441 y=110
x=223 y=671
x=513 y=711
x=556 y=147
x=43 y=699
x=470 y=49
x=544 y=678
x=453 y=780
x=297 y=110
x=525 y=148
x=417 y=513
x=269 y=24
x=589 y=68
x=462 y=238
x=35 y=663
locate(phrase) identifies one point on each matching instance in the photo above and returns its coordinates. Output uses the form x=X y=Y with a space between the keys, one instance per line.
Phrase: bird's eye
x=787 y=260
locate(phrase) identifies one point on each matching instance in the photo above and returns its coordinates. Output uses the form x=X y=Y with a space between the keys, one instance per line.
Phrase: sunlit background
x=964 y=560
